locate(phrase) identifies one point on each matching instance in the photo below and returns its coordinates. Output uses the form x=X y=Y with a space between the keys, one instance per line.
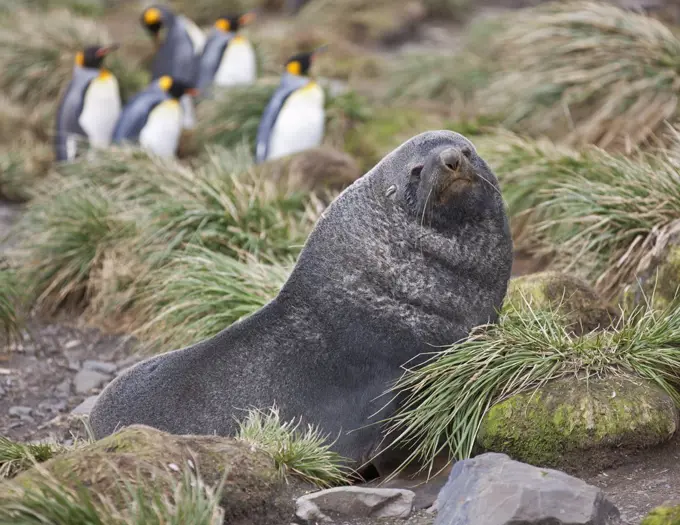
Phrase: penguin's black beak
x=193 y=92
x=103 y=51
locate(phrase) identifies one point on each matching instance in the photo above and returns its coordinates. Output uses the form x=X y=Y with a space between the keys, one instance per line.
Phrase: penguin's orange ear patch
x=80 y=58
x=152 y=16
x=223 y=25
x=294 y=68
x=165 y=83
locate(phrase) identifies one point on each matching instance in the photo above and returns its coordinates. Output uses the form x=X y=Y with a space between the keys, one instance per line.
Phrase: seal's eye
x=467 y=151
x=415 y=172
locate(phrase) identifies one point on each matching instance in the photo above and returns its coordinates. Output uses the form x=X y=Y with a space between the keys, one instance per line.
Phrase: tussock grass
x=64 y=236
x=12 y=303
x=228 y=207
x=80 y=7
x=22 y=167
x=451 y=79
x=297 y=451
x=588 y=73
x=48 y=501
x=528 y=171
x=446 y=398
x=17 y=457
x=619 y=212
x=199 y=292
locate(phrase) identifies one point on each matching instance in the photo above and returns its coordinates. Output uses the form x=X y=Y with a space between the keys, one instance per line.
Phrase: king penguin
x=228 y=58
x=294 y=118
x=178 y=54
x=90 y=106
x=153 y=117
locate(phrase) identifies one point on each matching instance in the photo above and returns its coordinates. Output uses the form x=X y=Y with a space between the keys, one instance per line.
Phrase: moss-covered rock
x=667 y=514
x=253 y=492
x=658 y=277
x=571 y=422
x=583 y=309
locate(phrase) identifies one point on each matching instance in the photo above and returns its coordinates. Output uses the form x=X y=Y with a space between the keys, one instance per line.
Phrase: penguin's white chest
x=196 y=36
x=238 y=65
x=163 y=128
x=101 y=109
x=300 y=123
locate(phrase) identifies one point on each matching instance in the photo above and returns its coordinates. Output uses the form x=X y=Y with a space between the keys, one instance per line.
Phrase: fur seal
x=413 y=254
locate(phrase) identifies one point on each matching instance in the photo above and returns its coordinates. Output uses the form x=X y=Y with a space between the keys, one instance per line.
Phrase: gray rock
x=355 y=502
x=63 y=388
x=86 y=380
x=20 y=411
x=85 y=407
x=100 y=366
x=492 y=489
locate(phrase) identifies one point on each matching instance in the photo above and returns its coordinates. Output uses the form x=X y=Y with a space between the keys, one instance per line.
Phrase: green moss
x=583 y=309
x=664 y=515
x=570 y=419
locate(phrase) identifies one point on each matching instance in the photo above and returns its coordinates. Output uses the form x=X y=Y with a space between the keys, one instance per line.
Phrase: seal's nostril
x=450 y=159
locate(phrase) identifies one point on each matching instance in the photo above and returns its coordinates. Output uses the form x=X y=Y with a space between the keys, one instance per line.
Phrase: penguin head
x=233 y=23
x=92 y=57
x=176 y=88
x=300 y=64
x=152 y=20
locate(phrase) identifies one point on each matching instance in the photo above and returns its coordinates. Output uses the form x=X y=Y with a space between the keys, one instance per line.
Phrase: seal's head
x=438 y=178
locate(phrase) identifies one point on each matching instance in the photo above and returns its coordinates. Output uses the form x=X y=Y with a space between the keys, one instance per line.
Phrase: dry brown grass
x=588 y=73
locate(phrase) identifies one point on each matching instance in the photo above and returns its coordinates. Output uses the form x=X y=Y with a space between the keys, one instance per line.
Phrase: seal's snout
x=451 y=159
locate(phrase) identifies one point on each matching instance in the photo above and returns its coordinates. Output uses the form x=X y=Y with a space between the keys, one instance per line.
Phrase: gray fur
x=289 y=84
x=215 y=46
x=377 y=283
x=70 y=107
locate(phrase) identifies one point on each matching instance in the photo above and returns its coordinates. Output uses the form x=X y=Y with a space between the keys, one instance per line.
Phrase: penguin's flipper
x=212 y=57
x=67 y=125
x=135 y=114
x=288 y=85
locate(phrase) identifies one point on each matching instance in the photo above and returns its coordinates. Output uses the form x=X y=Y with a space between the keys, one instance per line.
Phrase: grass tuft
x=607 y=220
x=299 y=452
x=446 y=398
x=11 y=306
x=199 y=292
x=65 y=233
x=17 y=457
x=588 y=73
x=48 y=501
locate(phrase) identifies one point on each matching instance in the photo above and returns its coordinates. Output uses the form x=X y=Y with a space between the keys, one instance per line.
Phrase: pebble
x=86 y=380
x=100 y=366
x=20 y=411
x=63 y=388
x=72 y=344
